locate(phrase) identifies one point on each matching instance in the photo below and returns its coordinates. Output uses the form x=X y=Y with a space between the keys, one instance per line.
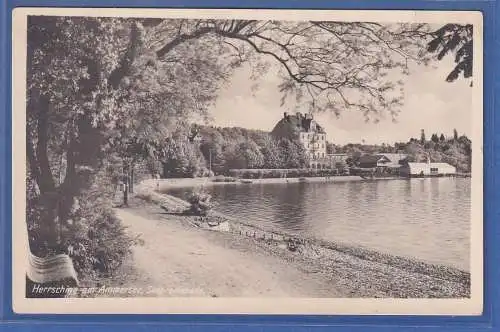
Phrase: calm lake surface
x=428 y=219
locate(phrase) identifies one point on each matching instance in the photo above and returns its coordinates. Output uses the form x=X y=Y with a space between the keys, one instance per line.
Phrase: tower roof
x=291 y=125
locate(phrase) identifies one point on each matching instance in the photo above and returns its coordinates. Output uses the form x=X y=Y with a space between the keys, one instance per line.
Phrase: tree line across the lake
x=223 y=149
x=452 y=149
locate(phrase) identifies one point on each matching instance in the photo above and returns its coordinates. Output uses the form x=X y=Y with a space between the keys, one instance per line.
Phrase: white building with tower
x=303 y=128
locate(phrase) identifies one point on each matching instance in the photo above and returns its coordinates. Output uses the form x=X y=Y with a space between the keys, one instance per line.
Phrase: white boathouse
x=427 y=169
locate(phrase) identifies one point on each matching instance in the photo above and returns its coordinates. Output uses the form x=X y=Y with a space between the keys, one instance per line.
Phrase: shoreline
x=427 y=280
x=175 y=183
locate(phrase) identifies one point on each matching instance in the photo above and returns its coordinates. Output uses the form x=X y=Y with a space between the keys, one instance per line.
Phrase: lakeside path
x=186 y=261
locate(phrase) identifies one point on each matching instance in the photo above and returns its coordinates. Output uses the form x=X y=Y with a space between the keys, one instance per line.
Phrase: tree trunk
x=46 y=180
x=131 y=183
x=83 y=150
x=49 y=197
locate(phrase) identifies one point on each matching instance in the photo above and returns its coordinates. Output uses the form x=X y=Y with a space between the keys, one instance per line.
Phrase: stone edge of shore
x=162 y=184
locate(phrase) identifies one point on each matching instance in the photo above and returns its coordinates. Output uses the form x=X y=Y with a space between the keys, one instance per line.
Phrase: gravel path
x=176 y=259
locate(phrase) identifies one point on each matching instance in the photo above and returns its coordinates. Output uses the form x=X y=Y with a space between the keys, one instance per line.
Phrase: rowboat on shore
x=246 y=181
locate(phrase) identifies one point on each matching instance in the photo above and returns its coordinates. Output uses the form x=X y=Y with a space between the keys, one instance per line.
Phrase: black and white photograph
x=247 y=161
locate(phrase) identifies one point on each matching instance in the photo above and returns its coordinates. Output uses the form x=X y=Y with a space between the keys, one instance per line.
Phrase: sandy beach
x=179 y=253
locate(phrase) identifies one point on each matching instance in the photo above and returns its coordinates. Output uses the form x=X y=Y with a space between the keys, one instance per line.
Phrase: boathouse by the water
x=427 y=169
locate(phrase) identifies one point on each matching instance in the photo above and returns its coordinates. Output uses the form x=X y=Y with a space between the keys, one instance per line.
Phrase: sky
x=431 y=104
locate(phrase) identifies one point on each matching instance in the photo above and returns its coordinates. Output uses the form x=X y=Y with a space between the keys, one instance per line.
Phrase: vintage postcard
x=247 y=161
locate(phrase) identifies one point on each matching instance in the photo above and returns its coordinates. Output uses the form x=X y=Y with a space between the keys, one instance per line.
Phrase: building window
x=434 y=170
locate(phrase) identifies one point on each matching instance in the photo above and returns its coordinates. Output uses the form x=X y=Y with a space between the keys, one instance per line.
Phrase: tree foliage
x=422 y=136
x=240 y=148
x=456 y=39
x=182 y=159
x=325 y=65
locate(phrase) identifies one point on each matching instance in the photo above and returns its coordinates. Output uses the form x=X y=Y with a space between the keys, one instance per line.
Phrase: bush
x=205 y=172
x=200 y=203
x=94 y=237
x=279 y=173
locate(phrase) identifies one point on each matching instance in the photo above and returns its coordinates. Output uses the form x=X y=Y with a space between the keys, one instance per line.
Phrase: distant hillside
x=455 y=151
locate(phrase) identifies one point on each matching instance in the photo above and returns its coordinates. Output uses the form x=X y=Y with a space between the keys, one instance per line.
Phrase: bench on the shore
x=53 y=272
x=57 y=268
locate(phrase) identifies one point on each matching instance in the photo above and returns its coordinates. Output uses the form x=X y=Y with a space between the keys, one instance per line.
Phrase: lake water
x=428 y=219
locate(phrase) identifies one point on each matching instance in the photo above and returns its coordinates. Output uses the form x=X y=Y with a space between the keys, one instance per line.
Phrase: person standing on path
x=157 y=177
x=125 y=186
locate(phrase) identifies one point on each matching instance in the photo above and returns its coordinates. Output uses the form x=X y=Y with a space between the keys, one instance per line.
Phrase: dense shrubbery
x=280 y=173
x=95 y=239
x=92 y=235
x=454 y=151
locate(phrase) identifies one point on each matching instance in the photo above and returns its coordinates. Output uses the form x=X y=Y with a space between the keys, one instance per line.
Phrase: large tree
x=95 y=89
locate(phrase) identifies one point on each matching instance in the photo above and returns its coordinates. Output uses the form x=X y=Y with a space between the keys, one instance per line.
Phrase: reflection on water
x=424 y=218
